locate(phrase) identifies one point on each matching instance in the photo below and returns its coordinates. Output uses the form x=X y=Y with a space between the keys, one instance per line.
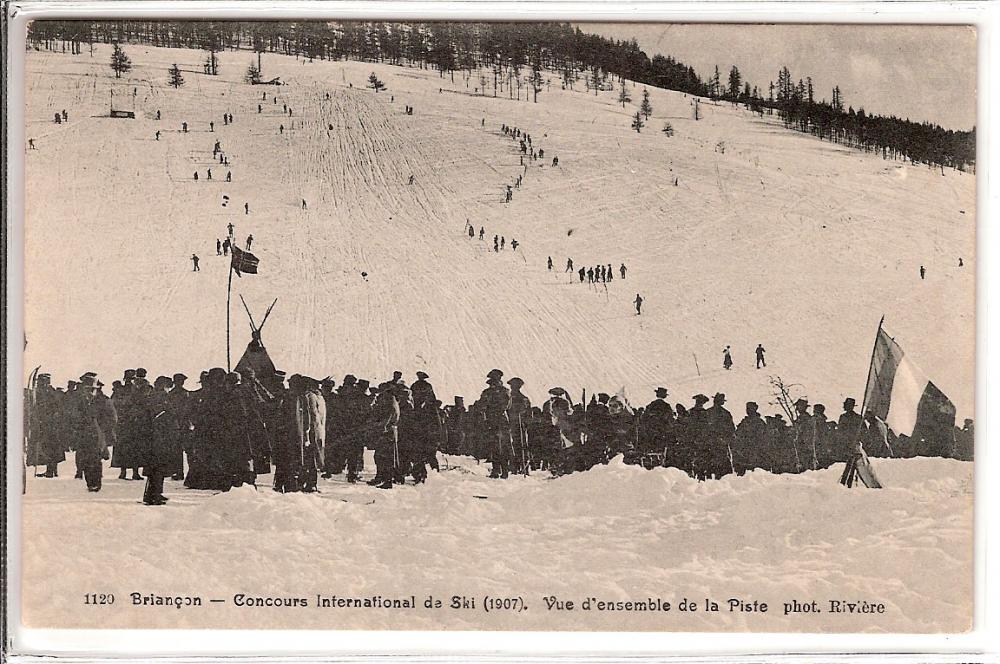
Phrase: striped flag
x=899 y=393
x=244 y=261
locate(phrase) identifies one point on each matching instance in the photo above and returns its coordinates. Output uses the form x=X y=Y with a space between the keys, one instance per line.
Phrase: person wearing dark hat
x=424 y=430
x=655 y=429
x=88 y=437
x=804 y=435
x=206 y=461
x=334 y=456
x=133 y=424
x=598 y=419
x=179 y=401
x=749 y=449
x=493 y=404
x=517 y=414
x=850 y=428
x=158 y=456
x=386 y=413
x=781 y=456
x=46 y=445
x=697 y=440
x=355 y=417
x=825 y=433
x=727 y=358
x=720 y=435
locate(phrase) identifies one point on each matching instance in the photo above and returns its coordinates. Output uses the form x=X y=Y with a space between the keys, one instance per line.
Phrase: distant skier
x=157 y=114
x=550 y=263
x=472 y=232
x=211 y=126
x=569 y=265
x=209 y=177
x=727 y=359
x=157 y=134
x=555 y=161
x=411 y=179
x=65 y=115
x=513 y=245
x=225 y=246
x=638 y=304
x=611 y=273
x=246 y=208
x=482 y=231
x=760 y=356
x=31 y=146
x=583 y=273
x=622 y=269
x=194 y=259
x=281 y=129
x=960 y=263
x=218 y=247
x=922 y=271
x=503 y=241
x=196 y=176
x=304 y=204
x=590 y=275
x=496 y=244
x=249 y=241
x=229 y=176
x=184 y=127
x=230 y=227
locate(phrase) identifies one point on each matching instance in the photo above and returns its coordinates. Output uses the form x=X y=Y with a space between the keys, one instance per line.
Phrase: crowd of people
x=238 y=426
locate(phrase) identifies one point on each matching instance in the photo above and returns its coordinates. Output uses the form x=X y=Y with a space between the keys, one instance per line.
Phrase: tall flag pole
x=242 y=261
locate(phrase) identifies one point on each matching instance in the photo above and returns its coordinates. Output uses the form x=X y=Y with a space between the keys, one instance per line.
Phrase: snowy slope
x=782 y=239
x=615 y=533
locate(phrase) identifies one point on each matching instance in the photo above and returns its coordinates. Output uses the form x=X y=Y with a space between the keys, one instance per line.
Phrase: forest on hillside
x=510 y=58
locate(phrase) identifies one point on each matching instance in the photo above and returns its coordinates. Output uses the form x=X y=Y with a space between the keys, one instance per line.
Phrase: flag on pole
x=899 y=393
x=244 y=261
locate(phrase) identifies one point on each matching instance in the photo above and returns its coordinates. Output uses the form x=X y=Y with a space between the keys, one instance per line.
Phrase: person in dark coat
x=335 y=458
x=655 y=428
x=700 y=448
x=132 y=425
x=805 y=435
x=599 y=430
x=179 y=401
x=160 y=453
x=88 y=438
x=518 y=414
x=749 y=447
x=385 y=413
x=209 y=432
x=428 y=428
x=720 y=434
x=825 y=435
x=781 y=455
x=849 y=430
x=46 y=445
x=355 y=413
x=493 y=403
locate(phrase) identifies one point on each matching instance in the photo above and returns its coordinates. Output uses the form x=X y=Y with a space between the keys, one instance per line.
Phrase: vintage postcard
x=374 y=325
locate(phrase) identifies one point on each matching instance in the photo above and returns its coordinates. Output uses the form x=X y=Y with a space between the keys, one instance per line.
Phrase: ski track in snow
x=782 y=239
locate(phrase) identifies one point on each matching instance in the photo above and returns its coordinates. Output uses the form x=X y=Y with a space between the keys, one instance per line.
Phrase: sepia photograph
x=513 y=326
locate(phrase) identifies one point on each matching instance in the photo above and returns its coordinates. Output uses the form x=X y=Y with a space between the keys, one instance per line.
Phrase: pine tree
x=715 y=85
x=374 y=83
x=253 y=74
x=623 y=97
x=595 y=80
x=734 y=83
x=646 y=107
x=536 y=80
x=637 y=122
x=120 y=62
x=176 y=79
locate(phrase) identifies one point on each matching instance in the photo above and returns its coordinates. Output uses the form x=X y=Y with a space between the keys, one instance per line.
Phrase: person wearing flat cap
x=518 y=414
x=179 y=400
